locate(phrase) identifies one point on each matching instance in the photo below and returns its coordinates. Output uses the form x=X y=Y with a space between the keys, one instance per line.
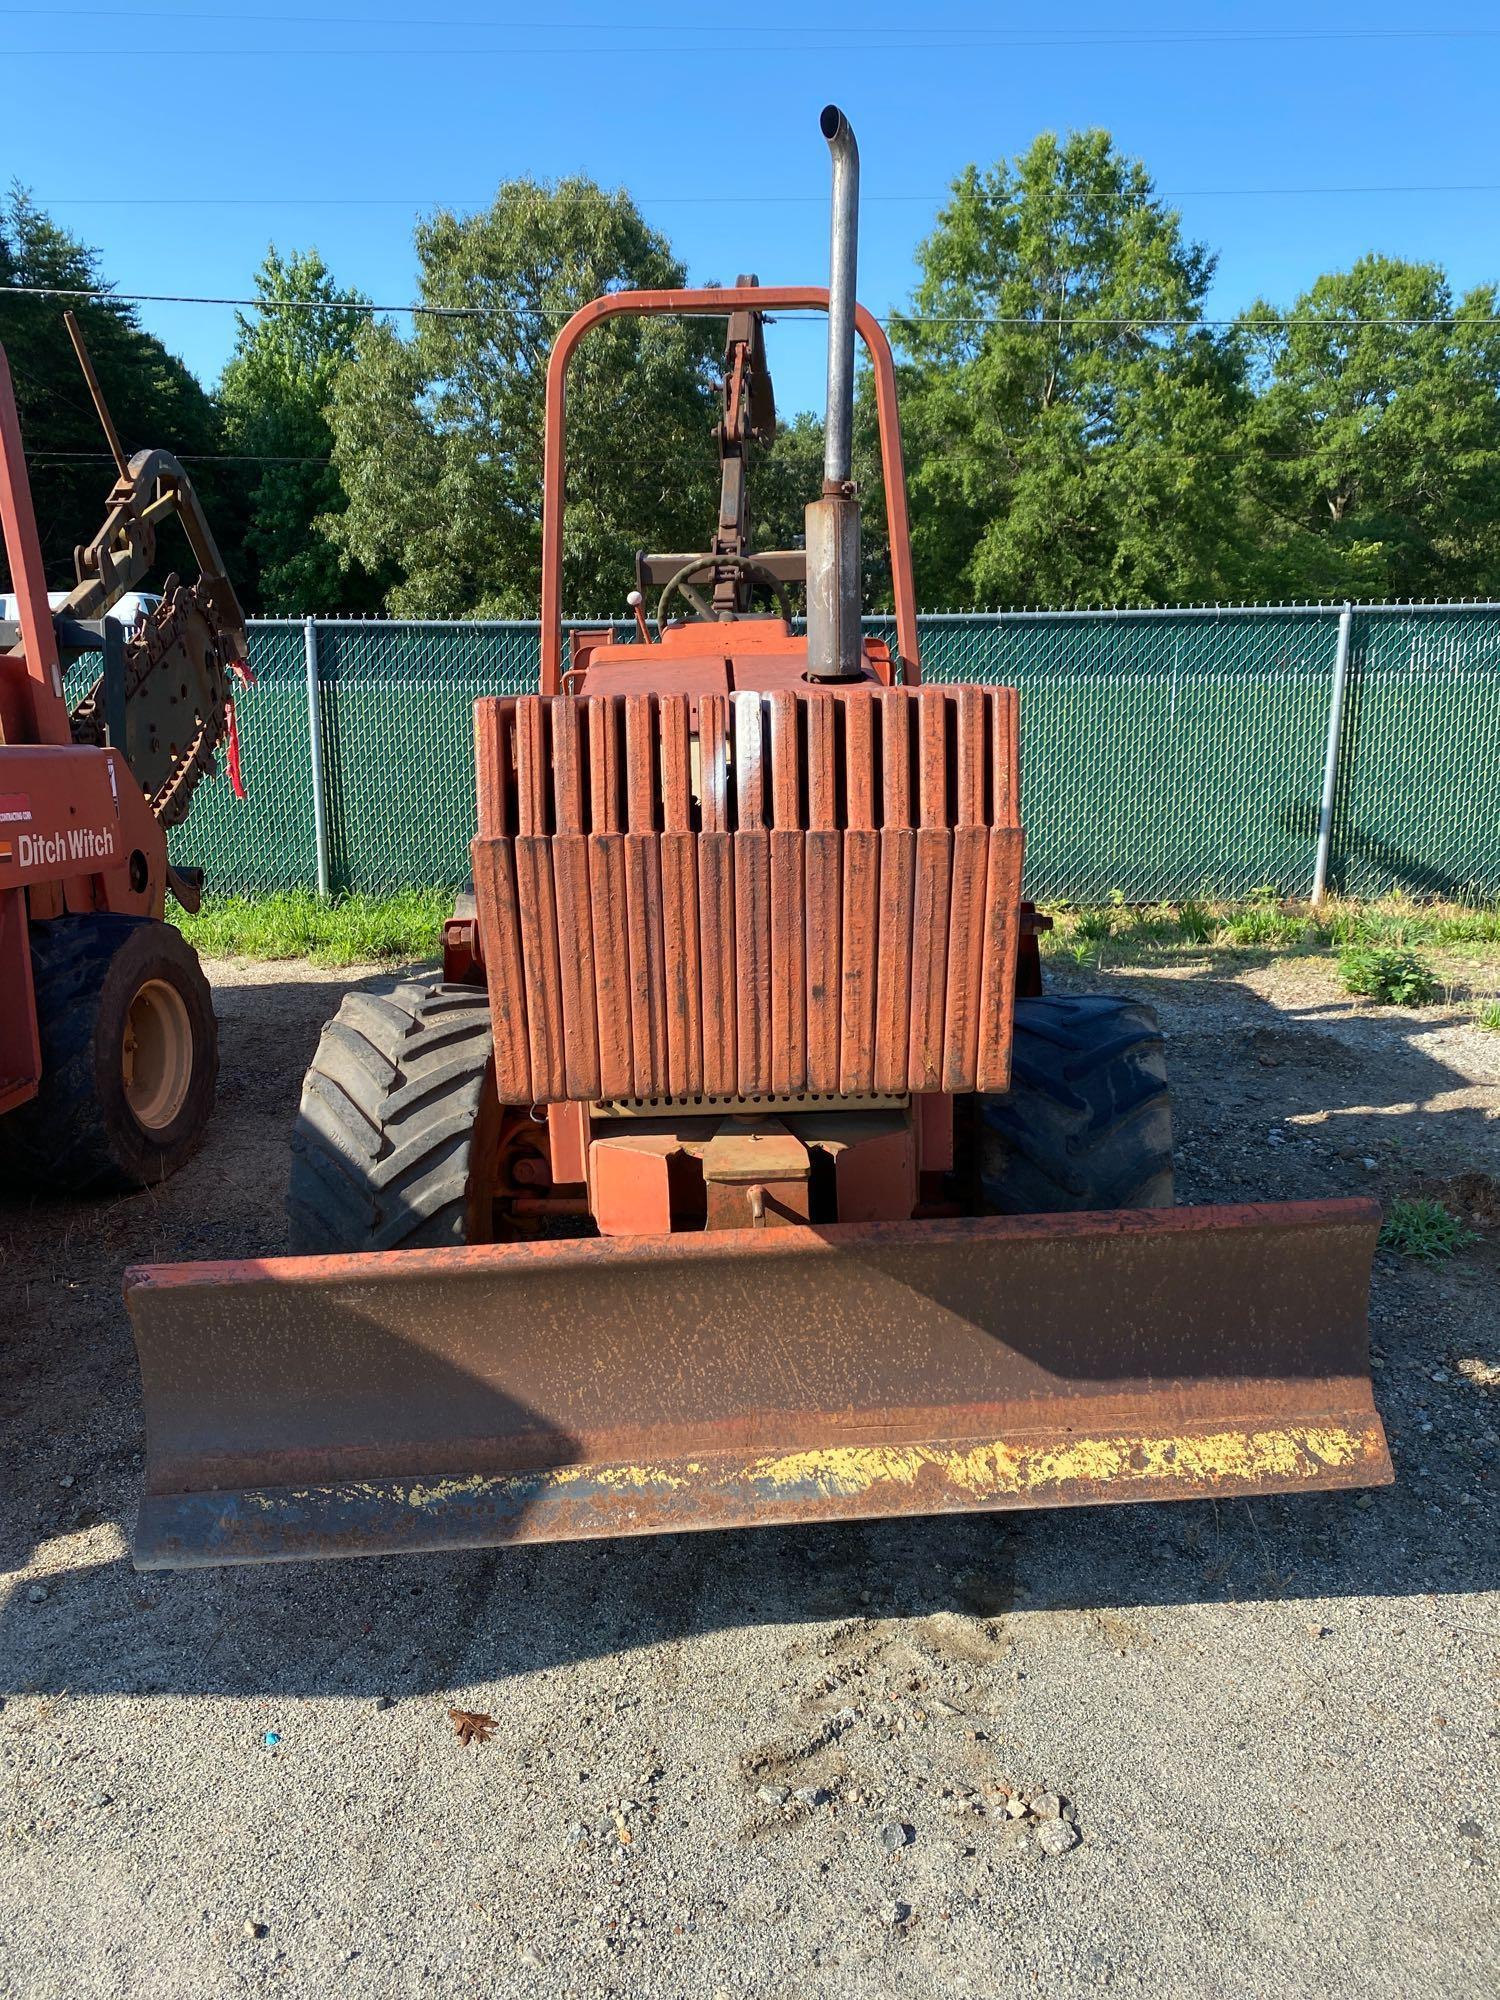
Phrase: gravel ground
x=1260 y=1738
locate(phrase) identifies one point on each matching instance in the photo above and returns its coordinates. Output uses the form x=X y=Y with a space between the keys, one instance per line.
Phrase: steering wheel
x=681 y=585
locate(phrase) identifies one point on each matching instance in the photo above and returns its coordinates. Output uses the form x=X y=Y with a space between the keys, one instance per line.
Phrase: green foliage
x=1488 y=1016
x=1262 y=924
x=1195 y=922
x=1370 y=458
x=1472 y=926
x=438 y=437
x=1395 y=978
x=350 y=930
x=783 y=478
x=1151 y=924
x=1424 y=1229
x=1059 y=457
x=274 y=393
x=152 y=397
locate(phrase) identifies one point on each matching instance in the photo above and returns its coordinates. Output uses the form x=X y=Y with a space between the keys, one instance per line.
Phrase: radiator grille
x=751 y=893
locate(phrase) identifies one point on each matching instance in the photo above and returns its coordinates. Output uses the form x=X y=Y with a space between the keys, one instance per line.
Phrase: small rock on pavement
x=1046 y=1805
x=384 y=1701
x=1015 y=1806
x=253 y=1929
x=1055 y=1836
x=895 y=1834
x=37 y=1594
x=892 y=1914
x=773 y=1795
x=810 y=1795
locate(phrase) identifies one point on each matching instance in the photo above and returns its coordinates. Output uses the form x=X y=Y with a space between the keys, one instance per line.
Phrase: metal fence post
x=315 y=751
x=1331 y=755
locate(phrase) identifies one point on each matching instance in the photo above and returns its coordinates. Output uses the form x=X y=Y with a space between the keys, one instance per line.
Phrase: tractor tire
x=130 y=1057
x=392 y=1145
x=1087 y=1121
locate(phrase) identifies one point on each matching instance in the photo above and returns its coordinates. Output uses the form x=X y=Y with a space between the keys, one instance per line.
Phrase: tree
x=1371 y=454
x=1061 y=451
x=783 y=478
x=438 y=437
x=153 y=398
x=275 y=392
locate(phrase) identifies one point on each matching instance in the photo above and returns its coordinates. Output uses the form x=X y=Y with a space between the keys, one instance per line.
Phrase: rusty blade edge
x=718 y=1245
x=582 y=1502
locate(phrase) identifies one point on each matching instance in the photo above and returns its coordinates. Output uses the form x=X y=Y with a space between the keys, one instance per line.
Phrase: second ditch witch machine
x=737 y=1171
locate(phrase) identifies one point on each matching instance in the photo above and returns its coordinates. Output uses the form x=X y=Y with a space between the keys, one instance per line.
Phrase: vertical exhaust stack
x=833 y=567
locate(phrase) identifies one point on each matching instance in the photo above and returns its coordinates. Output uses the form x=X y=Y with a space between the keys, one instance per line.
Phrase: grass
x=347 y=930
x=1424 y=1229
x=1120 y=934
x=1488 y=1016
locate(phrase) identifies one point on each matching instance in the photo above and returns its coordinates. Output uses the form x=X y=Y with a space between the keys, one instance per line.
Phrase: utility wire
x=967 y=34
x=187 y=458
x=1048 y=323
x=703 y=200
x=847 y=42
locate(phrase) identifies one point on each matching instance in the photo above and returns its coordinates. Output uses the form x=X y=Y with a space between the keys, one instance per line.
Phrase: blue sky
x=333 y=123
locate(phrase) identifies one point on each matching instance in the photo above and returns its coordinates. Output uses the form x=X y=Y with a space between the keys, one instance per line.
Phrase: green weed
x=1424 y=1229
x=1395 y=978
x=1153 y=924
x=1489 y=1016
x=1263 y=925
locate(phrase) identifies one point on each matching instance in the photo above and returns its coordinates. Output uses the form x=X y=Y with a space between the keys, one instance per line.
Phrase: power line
x=710 y=200
x=105 y=296
x=846 y=41
x=186 y=457
x=965 y=35
x=1047 y=323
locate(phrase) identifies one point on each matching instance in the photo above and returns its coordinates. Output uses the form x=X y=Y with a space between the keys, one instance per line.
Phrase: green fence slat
x=1419 y=799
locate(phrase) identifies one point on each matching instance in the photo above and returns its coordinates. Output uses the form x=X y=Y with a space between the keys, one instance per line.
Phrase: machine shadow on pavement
x=407 y=1626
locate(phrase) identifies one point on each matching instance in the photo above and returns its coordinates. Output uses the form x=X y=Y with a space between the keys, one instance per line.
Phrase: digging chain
x=178 y=663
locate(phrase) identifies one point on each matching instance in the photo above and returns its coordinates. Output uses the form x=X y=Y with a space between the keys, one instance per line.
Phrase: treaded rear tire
x=1087 y=1121
x=389 y=1148
x=79 y=1135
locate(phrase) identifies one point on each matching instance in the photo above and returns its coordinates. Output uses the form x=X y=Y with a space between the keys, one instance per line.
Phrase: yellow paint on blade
x=1273 y=1458
x=1003 y=1470
x=555 y=1479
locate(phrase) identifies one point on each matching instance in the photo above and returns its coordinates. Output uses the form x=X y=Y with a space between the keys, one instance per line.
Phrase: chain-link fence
x=1166 y=754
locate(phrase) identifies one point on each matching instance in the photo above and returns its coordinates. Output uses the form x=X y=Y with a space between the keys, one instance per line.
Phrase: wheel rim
x=156 y=1055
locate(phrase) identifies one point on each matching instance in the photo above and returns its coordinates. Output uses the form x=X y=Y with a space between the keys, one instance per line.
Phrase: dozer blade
x=634 y=1385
